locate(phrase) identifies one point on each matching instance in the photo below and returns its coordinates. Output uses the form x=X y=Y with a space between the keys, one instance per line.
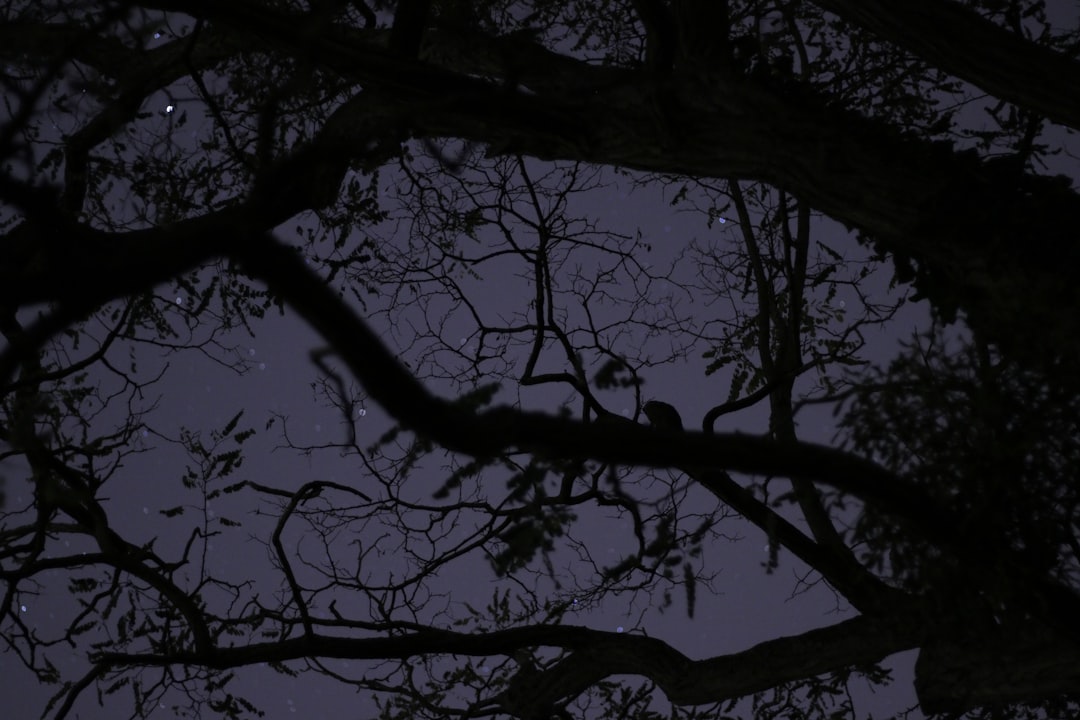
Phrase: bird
x=662 y=416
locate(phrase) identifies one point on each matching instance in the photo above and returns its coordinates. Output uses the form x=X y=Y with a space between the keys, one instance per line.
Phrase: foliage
x=464 y=216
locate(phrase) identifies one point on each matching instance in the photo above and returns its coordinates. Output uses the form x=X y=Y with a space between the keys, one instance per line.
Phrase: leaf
x=690 y=584
x=231 y=424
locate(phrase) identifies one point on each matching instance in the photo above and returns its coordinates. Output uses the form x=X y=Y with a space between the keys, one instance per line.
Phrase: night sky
x=638 y=267
x=203 y=390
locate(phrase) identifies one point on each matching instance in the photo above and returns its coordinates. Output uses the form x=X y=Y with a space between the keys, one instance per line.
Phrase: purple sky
x=198 y=392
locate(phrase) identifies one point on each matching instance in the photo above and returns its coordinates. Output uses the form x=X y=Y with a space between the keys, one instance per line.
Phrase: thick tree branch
x=132 y=270
x=959 y=41
x=987 y=242
x=865 y=592
x=595 y=655
x=1016 y=664
x=408 y=29
x=493 y=432
x=661 y=39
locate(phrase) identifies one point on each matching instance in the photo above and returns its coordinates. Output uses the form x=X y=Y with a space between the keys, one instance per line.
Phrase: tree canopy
x=529 y=394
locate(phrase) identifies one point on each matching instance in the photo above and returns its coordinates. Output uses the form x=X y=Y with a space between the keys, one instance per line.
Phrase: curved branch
x=492 y=432
x=596 y=654
x=936 y=206
x=961 y=42
x=986 y=242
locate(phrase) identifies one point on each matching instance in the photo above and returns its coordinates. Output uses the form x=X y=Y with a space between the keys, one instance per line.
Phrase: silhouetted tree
x=441 y=169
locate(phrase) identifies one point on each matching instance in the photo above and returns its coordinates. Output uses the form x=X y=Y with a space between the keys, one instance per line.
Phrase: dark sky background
x=198 y=392
x=201 y=390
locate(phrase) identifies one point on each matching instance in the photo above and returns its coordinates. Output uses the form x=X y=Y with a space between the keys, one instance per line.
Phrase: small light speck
x=146 y=511
x=262 y=366
x=618 y=629
x=145 y=433
x=723 y=220
x=251 y=352
x=157 y=36
x=179 y=300
x=843 y=304
x=361 y=412
x=169 y=108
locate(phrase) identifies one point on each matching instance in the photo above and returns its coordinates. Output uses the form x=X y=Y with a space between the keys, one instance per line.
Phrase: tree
x=158 y=153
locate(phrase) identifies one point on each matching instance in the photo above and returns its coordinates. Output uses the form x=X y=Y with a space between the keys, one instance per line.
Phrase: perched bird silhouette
x=662 y=416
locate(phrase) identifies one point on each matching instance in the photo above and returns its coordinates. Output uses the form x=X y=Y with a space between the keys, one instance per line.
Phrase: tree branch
x=595 y=655
x=963 y=43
